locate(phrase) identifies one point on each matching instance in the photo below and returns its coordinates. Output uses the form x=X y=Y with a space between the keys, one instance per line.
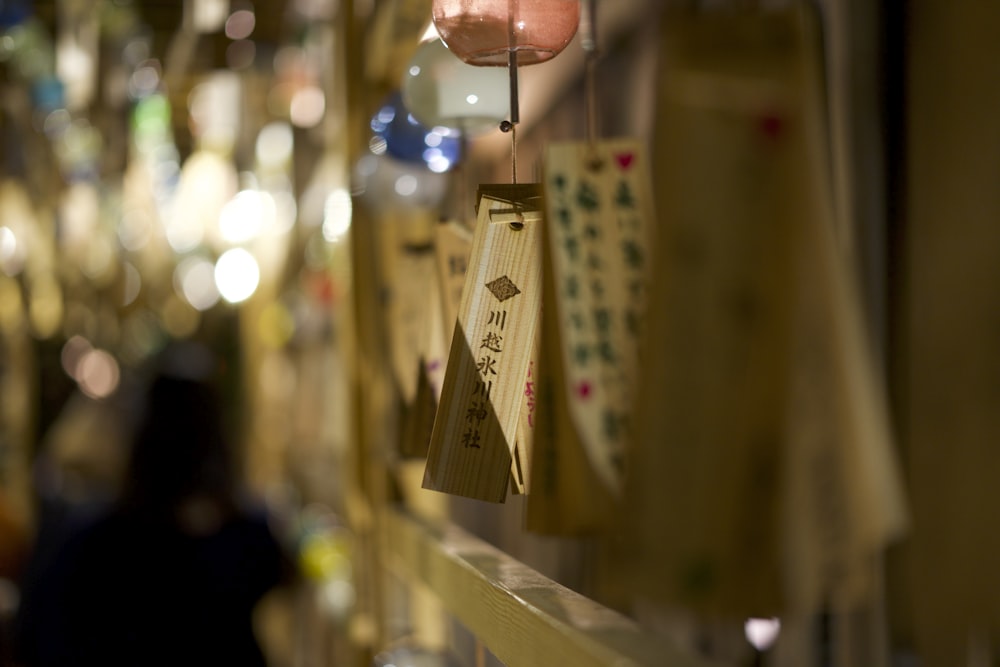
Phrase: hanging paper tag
x=598 y=215
x=476 y=422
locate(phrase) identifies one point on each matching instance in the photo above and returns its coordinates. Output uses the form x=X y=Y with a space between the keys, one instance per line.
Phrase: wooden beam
x=525 y=619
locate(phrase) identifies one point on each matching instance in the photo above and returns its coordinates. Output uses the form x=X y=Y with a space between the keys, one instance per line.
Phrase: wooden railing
x=522 y=617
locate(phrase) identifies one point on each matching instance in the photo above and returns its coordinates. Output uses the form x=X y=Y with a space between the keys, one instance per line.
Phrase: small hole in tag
x=518 y=224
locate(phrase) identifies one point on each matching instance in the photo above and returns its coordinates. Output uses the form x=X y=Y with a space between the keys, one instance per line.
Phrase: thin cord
x=591 y=103
x=515 y=106
x=513 y=154
x=590 y=47
x=515 y=112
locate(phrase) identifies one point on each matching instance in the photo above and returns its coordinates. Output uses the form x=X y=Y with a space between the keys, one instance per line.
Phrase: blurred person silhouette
x=172 y=572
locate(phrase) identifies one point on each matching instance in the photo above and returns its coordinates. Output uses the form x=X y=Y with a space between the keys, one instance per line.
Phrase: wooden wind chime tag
x=436 y=353
x=763 y=481
x=844 y=489
x=704 y=494
x=443 y=293
x=408 y=253
x=453 y=244
x=475 y=428
x=418 y=416
x=598 y=223
x=844 y=495
x=408 y=261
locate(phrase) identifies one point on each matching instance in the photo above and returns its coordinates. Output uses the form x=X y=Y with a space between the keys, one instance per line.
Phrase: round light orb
x=237 y=275
x=244 y=217
x=275 y=144
x=240 y=24
x=98 y=374
x=72 y=352
x=486 y=31
x=194 y=280
x=441 y=90
x=337 y=215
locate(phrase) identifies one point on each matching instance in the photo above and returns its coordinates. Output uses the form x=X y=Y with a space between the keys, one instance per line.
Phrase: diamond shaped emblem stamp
x=502 y=288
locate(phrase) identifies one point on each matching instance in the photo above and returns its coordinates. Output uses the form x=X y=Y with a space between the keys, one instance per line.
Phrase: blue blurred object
x=399 y=134
x=14 y=12
x=48 y=93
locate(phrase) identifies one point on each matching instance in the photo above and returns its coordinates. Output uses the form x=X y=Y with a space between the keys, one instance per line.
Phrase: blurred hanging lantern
x=440 y=89
x=486 y=32
x=399 y=134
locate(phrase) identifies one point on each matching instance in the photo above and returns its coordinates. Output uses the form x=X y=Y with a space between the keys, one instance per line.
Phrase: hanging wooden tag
x=476 y=423
x=453 y=243
x=409 y=265
x=599 y=215
x=843 y=492
x=418 y=417
x=844 y=489
x=436 y=352
x=565 y=495
x=704 y=488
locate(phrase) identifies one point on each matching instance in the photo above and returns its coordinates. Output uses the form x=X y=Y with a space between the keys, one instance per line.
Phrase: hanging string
x=515 y=107
x=515 y=114
x=515 y=110
x=513 y=154
x=589 y=43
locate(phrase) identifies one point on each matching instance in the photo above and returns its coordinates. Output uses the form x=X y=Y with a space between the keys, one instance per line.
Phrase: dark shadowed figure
x=171 y=575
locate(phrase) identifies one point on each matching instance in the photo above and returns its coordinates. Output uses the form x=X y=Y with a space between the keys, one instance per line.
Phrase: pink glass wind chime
x=509 y=33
